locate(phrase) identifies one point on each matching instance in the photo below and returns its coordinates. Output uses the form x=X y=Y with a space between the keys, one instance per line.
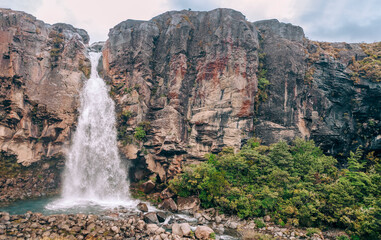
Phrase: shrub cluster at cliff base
x=296 y=184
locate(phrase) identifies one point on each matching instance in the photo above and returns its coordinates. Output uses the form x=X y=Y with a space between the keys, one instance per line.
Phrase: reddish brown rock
x=189 y=203
x=169 y=205
x=41 y=74
x=142 y=207
x=194 y=82
x=166 y=193
x=148 y=186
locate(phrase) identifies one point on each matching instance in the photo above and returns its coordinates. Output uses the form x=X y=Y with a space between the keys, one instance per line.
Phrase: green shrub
x=263 y=82
x=296 y=184
x=259 y=223
x=250 y=234
x=370 y=66
x=342 y=238
x=123 y=135
x=139 y=134
x=312 y=231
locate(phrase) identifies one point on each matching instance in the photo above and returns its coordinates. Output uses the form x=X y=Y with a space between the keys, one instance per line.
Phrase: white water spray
x=93 y=172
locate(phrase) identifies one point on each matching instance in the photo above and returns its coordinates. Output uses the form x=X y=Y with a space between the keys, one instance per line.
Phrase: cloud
x=349 y=31
x=339 y=20
x=21 y=5
x=342 y=20
x=96 y=17
x=324 y=20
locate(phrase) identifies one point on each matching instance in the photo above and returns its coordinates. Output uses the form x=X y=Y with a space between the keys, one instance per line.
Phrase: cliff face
x=41 y=70
x=192 y=76
x=186 y=84
x=205 y=80
x=315 y=91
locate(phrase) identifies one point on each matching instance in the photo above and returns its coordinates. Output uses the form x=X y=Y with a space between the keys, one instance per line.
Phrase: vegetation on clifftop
x=370 y=66
x=296 y=184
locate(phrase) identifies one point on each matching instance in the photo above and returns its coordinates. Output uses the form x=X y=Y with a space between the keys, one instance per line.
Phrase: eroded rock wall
x=193 y=76
x=42 y=68
x=313 y=92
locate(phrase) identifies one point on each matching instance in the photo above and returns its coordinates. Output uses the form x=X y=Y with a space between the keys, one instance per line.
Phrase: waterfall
x=93 y=171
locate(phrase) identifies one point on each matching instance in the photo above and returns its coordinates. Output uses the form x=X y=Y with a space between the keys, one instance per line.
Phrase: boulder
x=188 y=203
x=166 y=193
x=142 y=207
x=151 y=217
x=161 y=216
x=159 y=231
x=176 y=229
x=185 y=229
x=151 y=228
x=169 y=205
x=148 y=186
x=232 y=225
x=140 y=225
x=115 y=229
x=203 y=232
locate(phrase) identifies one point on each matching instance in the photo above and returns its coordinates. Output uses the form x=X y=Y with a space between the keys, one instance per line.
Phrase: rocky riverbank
x=112 y=225
x=157 y=225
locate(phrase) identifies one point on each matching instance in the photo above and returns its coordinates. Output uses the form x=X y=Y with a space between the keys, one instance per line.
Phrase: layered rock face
x=199 y=80
x=313 y=92
x=42 y=68
x=191 y=75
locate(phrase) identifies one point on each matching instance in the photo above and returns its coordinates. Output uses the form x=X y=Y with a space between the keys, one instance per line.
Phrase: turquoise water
x=34 y=205
x=40 y=205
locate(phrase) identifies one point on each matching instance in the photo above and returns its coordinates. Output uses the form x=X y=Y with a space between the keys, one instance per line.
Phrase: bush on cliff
x=297 y=184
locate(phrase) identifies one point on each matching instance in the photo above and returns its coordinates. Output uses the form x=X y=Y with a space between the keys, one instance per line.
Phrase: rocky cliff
x=42 y=68
x=191 y=76
x=196 y=82
x=319 y=90
x=185 y=84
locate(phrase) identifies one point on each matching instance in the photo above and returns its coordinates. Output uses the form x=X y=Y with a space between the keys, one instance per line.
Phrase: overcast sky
x=323 y=20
